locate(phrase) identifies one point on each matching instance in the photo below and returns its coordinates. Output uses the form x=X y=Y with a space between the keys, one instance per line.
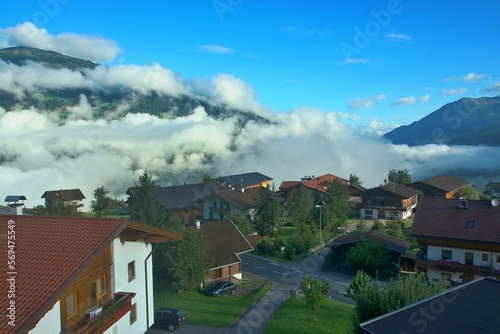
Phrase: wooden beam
x=132 y=235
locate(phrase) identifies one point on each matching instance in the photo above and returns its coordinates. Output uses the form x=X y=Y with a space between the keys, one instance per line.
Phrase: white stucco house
x=80 y=275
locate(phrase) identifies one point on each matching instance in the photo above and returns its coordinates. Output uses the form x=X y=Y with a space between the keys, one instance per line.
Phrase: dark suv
x=168 y=318
x=221 y=288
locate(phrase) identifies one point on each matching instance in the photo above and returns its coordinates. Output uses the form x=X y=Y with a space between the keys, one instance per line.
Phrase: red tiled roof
x=321 y=182
x=50 y=252
x=225 y=242
x=442 y=218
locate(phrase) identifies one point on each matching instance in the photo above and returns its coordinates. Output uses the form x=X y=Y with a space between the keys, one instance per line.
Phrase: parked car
x=168 y=318
x=221 y=288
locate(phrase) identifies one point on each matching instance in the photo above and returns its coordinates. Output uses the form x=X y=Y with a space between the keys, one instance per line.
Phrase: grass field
x=202 y=310
x=295 y=317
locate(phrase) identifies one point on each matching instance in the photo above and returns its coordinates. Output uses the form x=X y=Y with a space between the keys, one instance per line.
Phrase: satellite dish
x=495 y=202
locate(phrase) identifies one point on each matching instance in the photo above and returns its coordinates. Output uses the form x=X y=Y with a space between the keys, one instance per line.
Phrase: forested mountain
x=104 y=100
x=468 y=121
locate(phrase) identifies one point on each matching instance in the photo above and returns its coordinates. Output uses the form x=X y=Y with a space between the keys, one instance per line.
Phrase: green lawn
x=202 y=310
x=295 y=317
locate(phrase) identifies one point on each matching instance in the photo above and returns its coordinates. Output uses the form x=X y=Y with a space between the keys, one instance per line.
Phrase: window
x=133 y=313
x=498 y=258
x=469 y=258
x=446 y=254
x=471 y=224
x=485 y=257
x=71 y=305
x=131 y=271
x=101 y=286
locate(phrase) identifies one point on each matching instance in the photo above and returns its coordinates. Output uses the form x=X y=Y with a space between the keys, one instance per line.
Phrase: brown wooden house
x=445 y=186
x=389 y=201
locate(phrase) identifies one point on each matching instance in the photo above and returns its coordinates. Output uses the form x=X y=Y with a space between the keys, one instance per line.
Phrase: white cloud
x=398 y=37
x=212 y=48
x=364 y=102
x=469 y=78
x=404 y=101
x=87 y=47
x=425 y=98
x=447 y=92
x=351 y=61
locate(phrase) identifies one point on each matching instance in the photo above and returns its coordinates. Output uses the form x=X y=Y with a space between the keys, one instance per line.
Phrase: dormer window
x=471 y=224
x=462 y=204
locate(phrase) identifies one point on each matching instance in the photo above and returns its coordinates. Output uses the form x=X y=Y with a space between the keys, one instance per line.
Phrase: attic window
x=462 y=205
x=471 y=224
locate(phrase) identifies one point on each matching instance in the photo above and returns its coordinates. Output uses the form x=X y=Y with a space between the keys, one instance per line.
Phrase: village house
x=445 y=186
x=81 y=275
x=225 y=246
x=71 y=196
x=221 y=203
x=493 y=189
x=389 y=201
x=244 y=180
x=460 y=239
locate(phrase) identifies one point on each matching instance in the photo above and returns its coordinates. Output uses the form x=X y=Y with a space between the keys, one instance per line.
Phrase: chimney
x=16 y=207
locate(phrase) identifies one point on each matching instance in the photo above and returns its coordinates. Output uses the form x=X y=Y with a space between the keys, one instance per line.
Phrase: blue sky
x=373 y=62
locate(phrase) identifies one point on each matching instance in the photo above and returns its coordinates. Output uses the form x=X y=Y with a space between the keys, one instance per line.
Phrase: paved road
x=290 y=274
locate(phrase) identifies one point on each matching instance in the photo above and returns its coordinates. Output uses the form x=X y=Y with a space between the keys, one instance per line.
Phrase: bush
x=266 y=246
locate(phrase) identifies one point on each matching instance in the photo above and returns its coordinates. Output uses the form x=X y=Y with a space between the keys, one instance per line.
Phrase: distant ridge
x=20 y=55
x=468 y=121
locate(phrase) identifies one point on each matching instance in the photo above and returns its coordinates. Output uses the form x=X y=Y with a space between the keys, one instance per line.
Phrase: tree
x=144 y=206
x=354 y=180
x=300 y=204
x=361 y=227
x=267 y=212
x=101 y=201
x=467 y=192
x=376 y=299
x=400 y=176
x=245 y=225
x=369 y=256
x=358 y=284
x=185 y=261
x=315 y=292
x=206 y=178
x=395 y=228
x=336 y=205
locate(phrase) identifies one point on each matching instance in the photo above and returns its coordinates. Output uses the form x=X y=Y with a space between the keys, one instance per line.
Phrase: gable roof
x=395 y=189
x=321 y=182
x=390 y=242
x=225 y=242
x=52 y=251
x=467 y=308
x=241 y=199
x=443 y=182
x=442 y=218
x=188 y=195
x=244 y=179
x=66 y=194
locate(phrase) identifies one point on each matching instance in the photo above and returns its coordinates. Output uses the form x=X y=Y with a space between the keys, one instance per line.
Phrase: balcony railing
x=454 y=266
x=100 y=320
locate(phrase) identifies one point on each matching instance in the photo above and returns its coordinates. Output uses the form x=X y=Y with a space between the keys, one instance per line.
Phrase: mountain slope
x=20 y=55
x=467 y=121
x=105 y=101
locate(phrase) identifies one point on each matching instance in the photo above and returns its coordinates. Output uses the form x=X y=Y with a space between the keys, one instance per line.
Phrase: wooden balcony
x=454 y=266
x=111 y=312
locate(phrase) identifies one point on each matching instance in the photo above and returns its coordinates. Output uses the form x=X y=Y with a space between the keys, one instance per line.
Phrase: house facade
x=219 y=205
x=460 y=239
x=83 y=275
x=72 y=196
x=493 y=189
x=444 y=186
x=389 y=201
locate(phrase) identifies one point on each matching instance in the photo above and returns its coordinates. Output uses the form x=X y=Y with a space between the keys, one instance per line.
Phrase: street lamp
x=320 y=228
